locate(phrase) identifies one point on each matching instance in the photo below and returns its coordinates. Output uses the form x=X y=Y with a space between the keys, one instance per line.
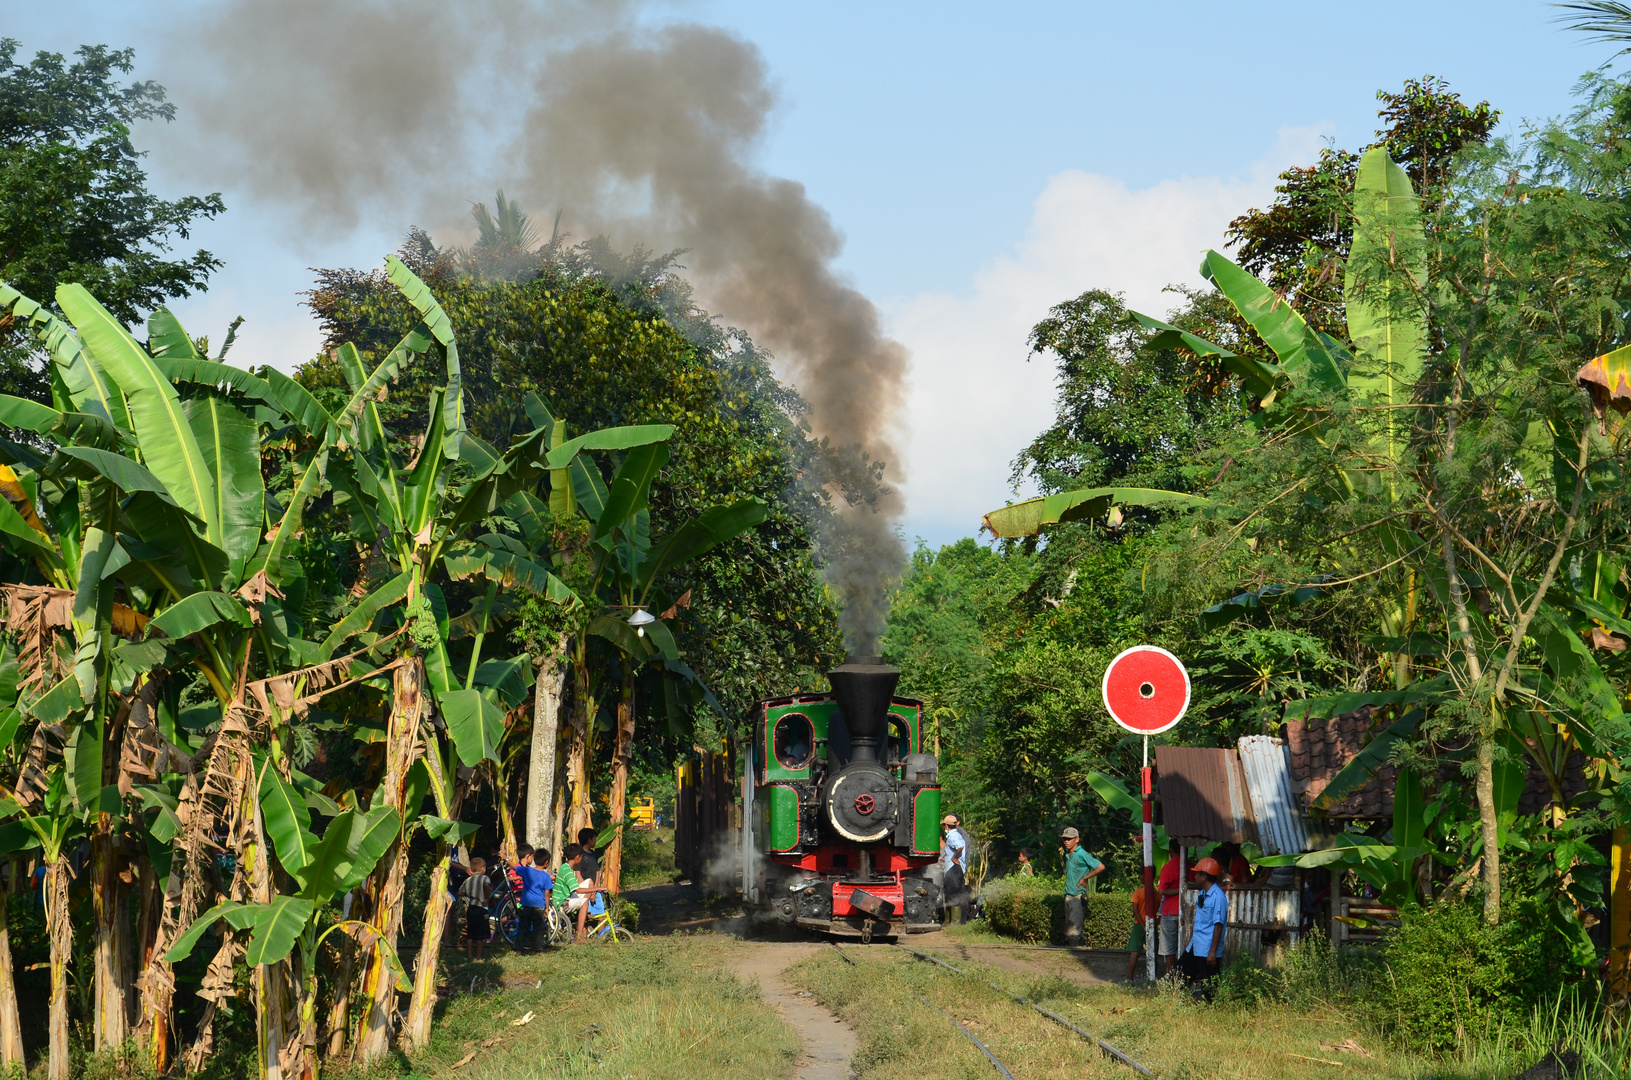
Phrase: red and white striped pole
x=1146 y=691
x=1150 y=905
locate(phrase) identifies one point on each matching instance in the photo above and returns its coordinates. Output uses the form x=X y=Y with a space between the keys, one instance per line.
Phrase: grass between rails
x=1163 y=1029
x=656 y=1010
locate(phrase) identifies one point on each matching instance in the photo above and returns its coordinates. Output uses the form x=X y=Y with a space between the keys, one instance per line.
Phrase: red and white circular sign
x=1146 y=690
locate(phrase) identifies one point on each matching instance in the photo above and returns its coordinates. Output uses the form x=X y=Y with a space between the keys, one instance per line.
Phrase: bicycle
x=563 y=927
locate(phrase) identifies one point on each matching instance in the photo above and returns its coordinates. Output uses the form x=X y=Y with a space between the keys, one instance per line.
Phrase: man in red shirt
x=1167 y=886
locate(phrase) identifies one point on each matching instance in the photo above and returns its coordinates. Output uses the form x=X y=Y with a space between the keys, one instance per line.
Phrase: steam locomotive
x=845 y=808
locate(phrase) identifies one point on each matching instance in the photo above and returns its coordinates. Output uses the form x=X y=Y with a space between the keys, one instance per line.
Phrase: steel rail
x=1105 y=1047
x=986 y=1050
x=847 y=958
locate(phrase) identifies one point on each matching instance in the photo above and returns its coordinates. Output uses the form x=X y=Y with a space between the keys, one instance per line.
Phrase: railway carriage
x=845 y=808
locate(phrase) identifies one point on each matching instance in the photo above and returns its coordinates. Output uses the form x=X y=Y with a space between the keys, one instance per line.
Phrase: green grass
x=658 y=1010
x=1164 y=1029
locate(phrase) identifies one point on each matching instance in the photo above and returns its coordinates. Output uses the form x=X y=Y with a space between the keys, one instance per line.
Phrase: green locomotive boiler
x=845 y=808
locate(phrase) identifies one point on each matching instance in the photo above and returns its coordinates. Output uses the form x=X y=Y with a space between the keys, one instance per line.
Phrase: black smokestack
x=864 y=686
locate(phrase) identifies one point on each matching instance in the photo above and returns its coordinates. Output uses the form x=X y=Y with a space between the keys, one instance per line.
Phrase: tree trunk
x=378 y=987
x=506 y=818
x=110 y=1011
x=557 y=817
x=580 y=812
x=422 y=1007
x=11 y=1028
x=546 y=719
x=339 y=1010
x=149 y=904
x=611 y=867
x=60 y=931
x=1485 y=786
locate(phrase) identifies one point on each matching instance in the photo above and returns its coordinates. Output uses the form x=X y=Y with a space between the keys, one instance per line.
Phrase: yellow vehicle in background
x=643 y=814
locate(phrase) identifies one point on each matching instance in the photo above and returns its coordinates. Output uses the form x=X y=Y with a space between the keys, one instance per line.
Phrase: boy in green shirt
x=1079 y=867
x=566 y=881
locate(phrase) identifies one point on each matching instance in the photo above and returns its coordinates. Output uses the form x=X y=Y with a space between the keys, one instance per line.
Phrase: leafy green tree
x=74 y=203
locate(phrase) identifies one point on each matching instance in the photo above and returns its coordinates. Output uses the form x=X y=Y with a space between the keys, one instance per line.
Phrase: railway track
x=1104 y=1047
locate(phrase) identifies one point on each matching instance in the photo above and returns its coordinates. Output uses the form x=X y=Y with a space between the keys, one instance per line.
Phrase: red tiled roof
x=1319 y=750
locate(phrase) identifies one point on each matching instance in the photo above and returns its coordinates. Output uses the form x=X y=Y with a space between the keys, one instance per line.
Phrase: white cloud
x=975 y=399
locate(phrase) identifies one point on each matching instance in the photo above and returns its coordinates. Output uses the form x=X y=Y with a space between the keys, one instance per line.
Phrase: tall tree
x=74 y=203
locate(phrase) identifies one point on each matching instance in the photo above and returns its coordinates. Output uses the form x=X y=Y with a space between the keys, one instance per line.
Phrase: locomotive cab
x=846 y=807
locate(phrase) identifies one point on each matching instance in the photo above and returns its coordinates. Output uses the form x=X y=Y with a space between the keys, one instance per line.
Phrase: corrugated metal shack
x=1212 y=795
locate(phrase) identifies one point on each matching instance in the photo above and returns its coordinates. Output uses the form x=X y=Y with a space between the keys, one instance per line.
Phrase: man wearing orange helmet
x=1200 y=960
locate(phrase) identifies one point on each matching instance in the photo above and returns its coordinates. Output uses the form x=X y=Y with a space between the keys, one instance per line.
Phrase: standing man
x=1200 y=961
x=1168 y=886
x=954 y=866
x=1080 y=867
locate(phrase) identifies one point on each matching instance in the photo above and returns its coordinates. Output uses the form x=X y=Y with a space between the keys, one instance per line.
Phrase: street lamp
x=640 y=620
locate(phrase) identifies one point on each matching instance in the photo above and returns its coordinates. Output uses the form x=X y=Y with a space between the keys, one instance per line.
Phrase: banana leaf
x=631 y=487
x=713 y=526
x=230 y=443
x=351 y=846
x=511 y=571
x=168 y=447
x=199 y=611
x=276 y=928
x=441 y=328
x=1304 y=355
x=477 y=725
x=1260 y=379
x=1607 y=379
x=613 y=438
x=83 y=382
x=1029 y=517
x=283 y=809
x=1385 y=321
x=239 y=916
x=1364 y=765
x=362 y=616
x=16 y=412
x=1227 y=611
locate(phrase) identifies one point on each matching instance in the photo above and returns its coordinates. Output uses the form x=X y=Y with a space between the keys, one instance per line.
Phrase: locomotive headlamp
x=640 y=620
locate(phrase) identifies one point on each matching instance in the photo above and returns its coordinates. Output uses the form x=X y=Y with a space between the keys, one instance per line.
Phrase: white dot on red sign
x=1146 y=689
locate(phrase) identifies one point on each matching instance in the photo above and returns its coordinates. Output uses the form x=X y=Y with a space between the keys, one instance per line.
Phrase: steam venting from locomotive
x=342 y=112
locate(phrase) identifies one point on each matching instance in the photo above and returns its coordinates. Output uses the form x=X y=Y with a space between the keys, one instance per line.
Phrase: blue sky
x=982 y=161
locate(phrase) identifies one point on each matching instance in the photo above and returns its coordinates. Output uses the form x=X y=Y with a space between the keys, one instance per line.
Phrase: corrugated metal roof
x=1204 y=795
x=1280 y=825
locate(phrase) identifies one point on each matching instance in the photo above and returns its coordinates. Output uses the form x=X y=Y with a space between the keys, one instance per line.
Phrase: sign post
x=1146 y=690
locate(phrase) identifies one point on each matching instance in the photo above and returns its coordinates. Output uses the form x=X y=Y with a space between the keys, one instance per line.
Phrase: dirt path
x=828 y=1042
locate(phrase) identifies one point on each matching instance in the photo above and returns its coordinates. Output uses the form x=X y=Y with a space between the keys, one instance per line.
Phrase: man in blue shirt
x=1200 y=960
x=1080 y=867
x=535 y=888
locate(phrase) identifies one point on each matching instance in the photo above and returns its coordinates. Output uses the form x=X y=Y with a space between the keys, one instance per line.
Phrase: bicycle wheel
x=507 y=921
x=622 y=935
x=561 y=929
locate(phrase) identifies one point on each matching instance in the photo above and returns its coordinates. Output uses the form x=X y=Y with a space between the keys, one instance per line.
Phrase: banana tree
x=627 y=569
x=298 y=922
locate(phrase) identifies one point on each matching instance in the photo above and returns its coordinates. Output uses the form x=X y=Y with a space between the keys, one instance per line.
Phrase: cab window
x=793 y=741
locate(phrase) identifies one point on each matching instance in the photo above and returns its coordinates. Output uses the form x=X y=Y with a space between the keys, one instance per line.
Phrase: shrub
x=626 y=913
x=1243 y=982
x=1449 y=974
x=1033 y=909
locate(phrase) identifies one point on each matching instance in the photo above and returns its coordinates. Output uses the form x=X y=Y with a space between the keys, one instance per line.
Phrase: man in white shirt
x=954 y=864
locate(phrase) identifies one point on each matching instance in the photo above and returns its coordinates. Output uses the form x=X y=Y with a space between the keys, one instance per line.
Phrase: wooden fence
x=704 y=815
